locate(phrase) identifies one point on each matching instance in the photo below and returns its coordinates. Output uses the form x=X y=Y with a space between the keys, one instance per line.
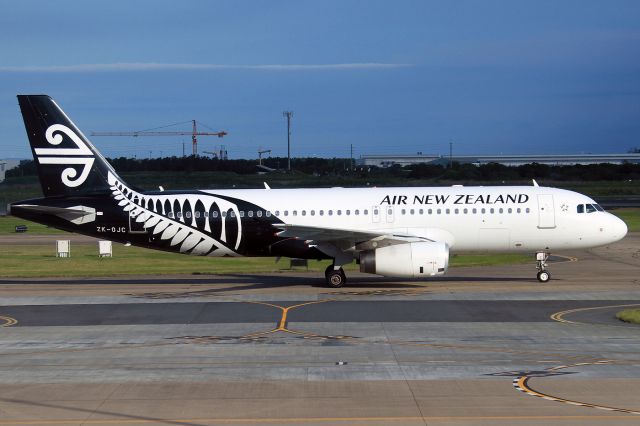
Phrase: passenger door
x=546 y=213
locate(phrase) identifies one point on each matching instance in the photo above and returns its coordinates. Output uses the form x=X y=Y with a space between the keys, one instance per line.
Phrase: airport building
x=507 y=160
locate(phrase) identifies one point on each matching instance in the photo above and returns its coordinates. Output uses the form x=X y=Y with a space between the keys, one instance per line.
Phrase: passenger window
x=491 y=210
x=404 y=211
x=304 y=212
x=250 y=213
x=412 y=211
x=179 y=215
x=259 y=213
x=170 y=215
x=286 y=212
x=321 y=212
x=295 y=212
x=465 y=211
x=267 y=213
x=277 y=213
x=313 y=212
x=501 y=210
x=510 y=210
x=357 y=212
x=241 y=213
x=456 y=211
x=339 y=212
x=197 y=215
x=430 y=211
x=439 y=211
x=365 y=212
x=484 y=210
x=421 y=211
x=215 y=214
x=474 y=211
x=518 y=210
x=188 y=215
x=527 y=210
x=206 y=214
x=224 y=214
x=330 y=212
x=232 y=214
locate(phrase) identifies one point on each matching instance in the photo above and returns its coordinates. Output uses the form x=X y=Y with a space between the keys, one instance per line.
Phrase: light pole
x=288 y=115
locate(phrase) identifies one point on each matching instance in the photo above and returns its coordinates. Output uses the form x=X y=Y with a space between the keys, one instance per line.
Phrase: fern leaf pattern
x=183 y=230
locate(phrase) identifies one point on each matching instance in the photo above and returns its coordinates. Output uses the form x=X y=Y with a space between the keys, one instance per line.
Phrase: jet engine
x=412 y=260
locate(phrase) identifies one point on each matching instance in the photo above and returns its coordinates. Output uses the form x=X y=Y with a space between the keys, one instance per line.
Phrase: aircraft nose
x=617 y=228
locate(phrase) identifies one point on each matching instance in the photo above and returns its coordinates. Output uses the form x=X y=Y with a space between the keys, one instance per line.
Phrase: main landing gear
x=541 y=261
x=335 y=277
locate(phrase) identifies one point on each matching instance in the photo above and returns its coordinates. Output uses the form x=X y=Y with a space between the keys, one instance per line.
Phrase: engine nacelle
x=412 y=260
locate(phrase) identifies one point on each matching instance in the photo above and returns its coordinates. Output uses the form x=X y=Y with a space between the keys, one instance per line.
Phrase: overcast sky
x=386 y=76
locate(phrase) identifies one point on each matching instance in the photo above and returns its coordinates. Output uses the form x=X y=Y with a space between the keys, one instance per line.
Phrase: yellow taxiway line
x=559 y=316
x=8 y=321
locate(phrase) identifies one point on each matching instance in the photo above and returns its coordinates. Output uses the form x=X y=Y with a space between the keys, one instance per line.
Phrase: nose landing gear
x=541 y=264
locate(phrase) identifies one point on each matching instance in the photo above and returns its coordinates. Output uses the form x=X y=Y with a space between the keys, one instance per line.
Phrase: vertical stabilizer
x=68 y=164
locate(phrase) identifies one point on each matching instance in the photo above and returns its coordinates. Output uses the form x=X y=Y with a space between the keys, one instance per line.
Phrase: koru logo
x=80 y=156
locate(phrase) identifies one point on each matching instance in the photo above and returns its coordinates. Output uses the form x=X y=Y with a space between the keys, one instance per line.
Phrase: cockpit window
x=589 y=208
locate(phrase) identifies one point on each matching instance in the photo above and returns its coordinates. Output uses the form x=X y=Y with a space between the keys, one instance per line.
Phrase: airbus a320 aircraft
x=398 y=232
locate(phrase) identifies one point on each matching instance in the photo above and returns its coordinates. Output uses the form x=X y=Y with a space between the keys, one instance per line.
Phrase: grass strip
x=37 y=261
x=8 y=226
x=629 y=315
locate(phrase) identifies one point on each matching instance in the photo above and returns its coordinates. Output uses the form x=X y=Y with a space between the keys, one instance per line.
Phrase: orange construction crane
x=194 y=134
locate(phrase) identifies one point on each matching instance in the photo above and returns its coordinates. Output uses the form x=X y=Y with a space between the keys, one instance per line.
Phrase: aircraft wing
x=347 y=238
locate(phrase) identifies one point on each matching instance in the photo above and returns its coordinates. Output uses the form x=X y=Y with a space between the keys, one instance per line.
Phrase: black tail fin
x=68 y=164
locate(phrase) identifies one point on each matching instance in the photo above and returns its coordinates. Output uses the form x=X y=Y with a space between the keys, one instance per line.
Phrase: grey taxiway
x=480 y=346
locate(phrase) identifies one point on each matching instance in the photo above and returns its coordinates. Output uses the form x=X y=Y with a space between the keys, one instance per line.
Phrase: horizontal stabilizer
x=76 y=214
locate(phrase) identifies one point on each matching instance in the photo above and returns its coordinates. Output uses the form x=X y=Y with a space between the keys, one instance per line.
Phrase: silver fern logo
x=176 y=220
x=81 y=156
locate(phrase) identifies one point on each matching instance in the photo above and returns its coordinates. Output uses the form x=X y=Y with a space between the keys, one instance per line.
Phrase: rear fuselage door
x=137 y=218
x=546 y=213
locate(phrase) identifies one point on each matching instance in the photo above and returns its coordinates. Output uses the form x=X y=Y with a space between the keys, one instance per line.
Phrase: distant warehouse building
x=507 y=160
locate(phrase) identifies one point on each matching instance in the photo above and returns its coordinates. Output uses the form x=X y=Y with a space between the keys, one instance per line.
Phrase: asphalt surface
x=488 y=346
x=329 y=311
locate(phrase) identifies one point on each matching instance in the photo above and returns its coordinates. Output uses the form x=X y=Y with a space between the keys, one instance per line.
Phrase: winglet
x=266 y=186
x=535 y=183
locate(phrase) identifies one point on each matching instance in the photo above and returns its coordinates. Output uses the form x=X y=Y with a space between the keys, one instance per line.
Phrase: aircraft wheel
x=336 y=278
x=544 y=276
x=327 y=271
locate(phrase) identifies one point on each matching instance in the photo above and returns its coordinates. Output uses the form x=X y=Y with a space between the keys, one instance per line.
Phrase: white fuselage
x=468 y=219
